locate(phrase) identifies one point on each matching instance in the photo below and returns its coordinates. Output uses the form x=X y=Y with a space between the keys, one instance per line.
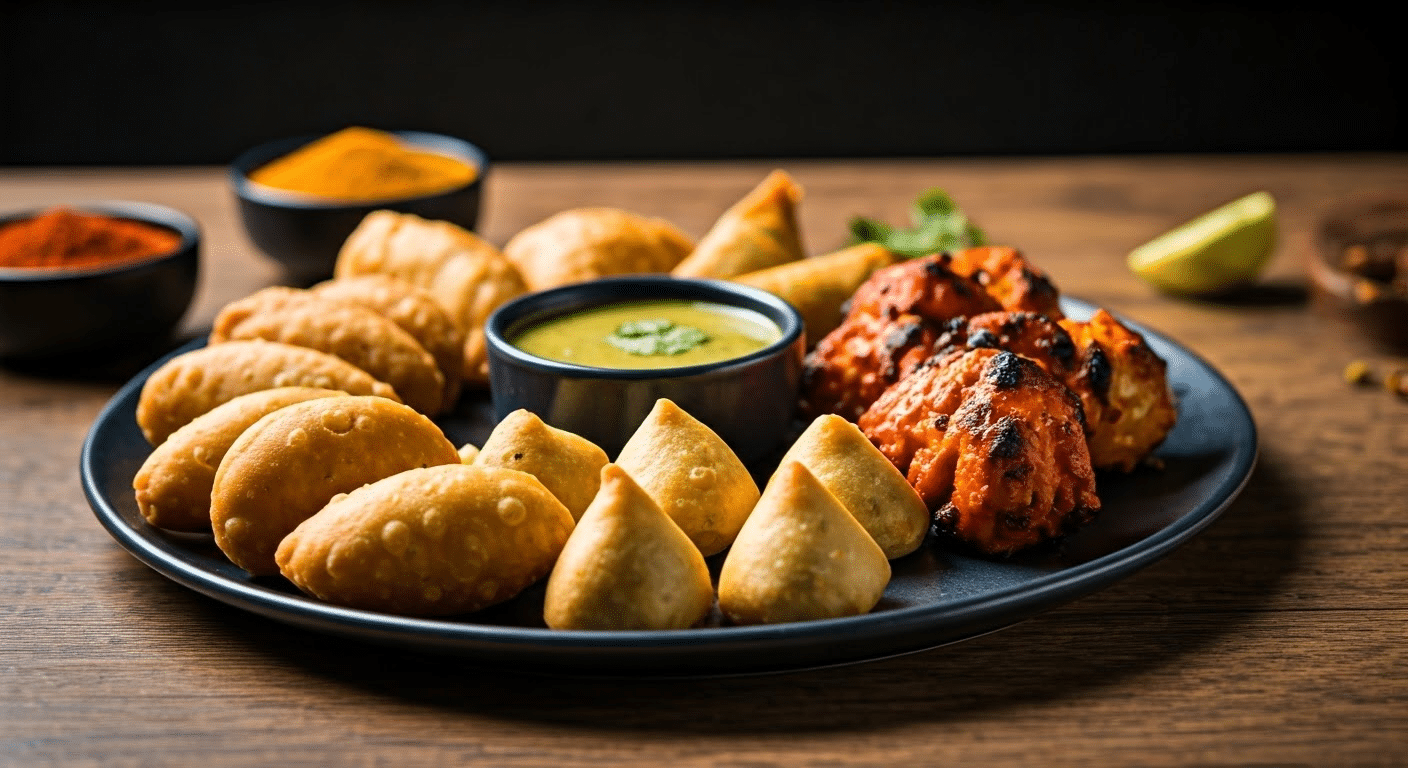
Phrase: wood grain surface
x=1278 y=636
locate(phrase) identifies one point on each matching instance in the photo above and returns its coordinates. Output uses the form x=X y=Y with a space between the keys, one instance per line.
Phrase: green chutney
x=666 y=333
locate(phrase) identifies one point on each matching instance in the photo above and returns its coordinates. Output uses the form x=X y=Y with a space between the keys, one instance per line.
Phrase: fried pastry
x=843 y=460
x=627 y=566
x=291 y=462
x=582 y=244
x=800 y=557
x=174 y=483
x=818 y=287
x=757 y=232
x=432 y=541
x=352 y=332
x=467 y=275
x=192 y=383
x=468 y=453
x=569 y=465
x=692 y=474
x=416 y=312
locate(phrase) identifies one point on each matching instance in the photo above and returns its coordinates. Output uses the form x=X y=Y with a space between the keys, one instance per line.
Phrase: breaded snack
x=291 y=462
x=173 y=486
x=801 y=556
x=467 y=275
x=692 y=474
x=757 y=232
x=582 y=244
x=569 y=465
x=193 y=382
x=818 y=287
x=350 y=331
x=627 y=566
x=416 y=312
x=435 y=541
x=468 y=453
x=844 y=460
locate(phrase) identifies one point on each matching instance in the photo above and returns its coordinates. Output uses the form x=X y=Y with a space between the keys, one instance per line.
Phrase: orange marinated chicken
x=993 y=444
x=1010 y=279
x=891 y=324
x=1123 y=386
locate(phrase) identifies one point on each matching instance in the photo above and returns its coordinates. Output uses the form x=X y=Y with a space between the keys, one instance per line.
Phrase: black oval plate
x=936 y=596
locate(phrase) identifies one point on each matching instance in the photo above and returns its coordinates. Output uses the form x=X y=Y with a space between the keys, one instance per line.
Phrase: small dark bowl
x=304 y=233
x=1372 y=301
x=104 y=310
x=749 y=401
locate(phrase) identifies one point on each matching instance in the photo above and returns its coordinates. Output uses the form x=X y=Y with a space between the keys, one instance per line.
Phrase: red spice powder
x=65 y=238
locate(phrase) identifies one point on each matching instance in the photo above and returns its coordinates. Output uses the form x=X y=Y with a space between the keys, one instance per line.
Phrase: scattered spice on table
x=364 y=164
x=65 y=238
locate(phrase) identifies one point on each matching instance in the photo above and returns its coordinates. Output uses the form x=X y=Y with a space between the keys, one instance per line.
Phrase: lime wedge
x=1224 y=248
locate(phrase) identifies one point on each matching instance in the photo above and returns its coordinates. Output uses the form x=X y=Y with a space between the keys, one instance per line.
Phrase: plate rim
x=907 y=627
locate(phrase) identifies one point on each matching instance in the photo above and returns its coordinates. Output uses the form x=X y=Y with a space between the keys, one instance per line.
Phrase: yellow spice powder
x=363 y=164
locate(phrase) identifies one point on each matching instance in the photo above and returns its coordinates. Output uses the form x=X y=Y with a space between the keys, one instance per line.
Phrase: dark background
x=166 y=83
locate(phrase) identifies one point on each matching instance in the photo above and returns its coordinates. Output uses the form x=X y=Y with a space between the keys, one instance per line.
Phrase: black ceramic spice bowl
x=749 y=401
x=304 y=234
x=100 y=311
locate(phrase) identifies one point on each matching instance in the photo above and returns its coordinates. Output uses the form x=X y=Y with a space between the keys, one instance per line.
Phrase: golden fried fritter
x=993 y=444
x=1123 y=386
x=891 y=325
x=1010 y=279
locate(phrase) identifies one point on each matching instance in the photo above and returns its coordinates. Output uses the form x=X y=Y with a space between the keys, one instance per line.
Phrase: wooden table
x=1278 y=636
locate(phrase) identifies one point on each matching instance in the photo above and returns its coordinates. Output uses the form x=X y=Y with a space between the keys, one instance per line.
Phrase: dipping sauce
x=650 y=334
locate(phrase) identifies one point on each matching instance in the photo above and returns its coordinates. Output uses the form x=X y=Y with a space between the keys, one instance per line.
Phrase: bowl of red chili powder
x=94 y=279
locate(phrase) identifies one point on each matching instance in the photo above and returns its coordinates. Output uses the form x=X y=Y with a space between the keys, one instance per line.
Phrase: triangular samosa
x=839 y=455
x=627 y=566
x=801 y=556
x=692 y=474
x=757 y=232
x=569 y=465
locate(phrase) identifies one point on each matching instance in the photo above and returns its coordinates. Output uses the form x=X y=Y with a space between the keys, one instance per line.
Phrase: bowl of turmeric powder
x=97 y=279
x=301 y=197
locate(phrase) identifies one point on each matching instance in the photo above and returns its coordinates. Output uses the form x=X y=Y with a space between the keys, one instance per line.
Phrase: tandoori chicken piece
x=1123 y=385
x=891 y=325
x=1009 y=278
x=993 y=444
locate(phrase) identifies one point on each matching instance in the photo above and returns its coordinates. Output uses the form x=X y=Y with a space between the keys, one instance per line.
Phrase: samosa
x=627 y=566
x=757 y=232
x=569 y=465
x=844 y=460
x=692 y=474
x=800 y=557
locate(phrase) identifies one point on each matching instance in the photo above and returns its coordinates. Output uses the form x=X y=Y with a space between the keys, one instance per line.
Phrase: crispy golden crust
x=464 y=273
x=350 y=331
x=1123 y=385
x=627 y=566
x=994 y=445
x=586 y=243
x=568 y=465
x=433 y=541
x=800 y=557
x=291 y=462
x=820 y=286
x=1010 y=279
x=194 y=382
x=757 y=232
x=416 y=312
x=173 y=486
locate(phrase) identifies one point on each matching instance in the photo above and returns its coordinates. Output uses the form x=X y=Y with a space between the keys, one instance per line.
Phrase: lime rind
x=1220 y=250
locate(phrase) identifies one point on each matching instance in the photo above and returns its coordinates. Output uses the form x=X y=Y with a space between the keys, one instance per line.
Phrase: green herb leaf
x=656 y=337
x=938 y=225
